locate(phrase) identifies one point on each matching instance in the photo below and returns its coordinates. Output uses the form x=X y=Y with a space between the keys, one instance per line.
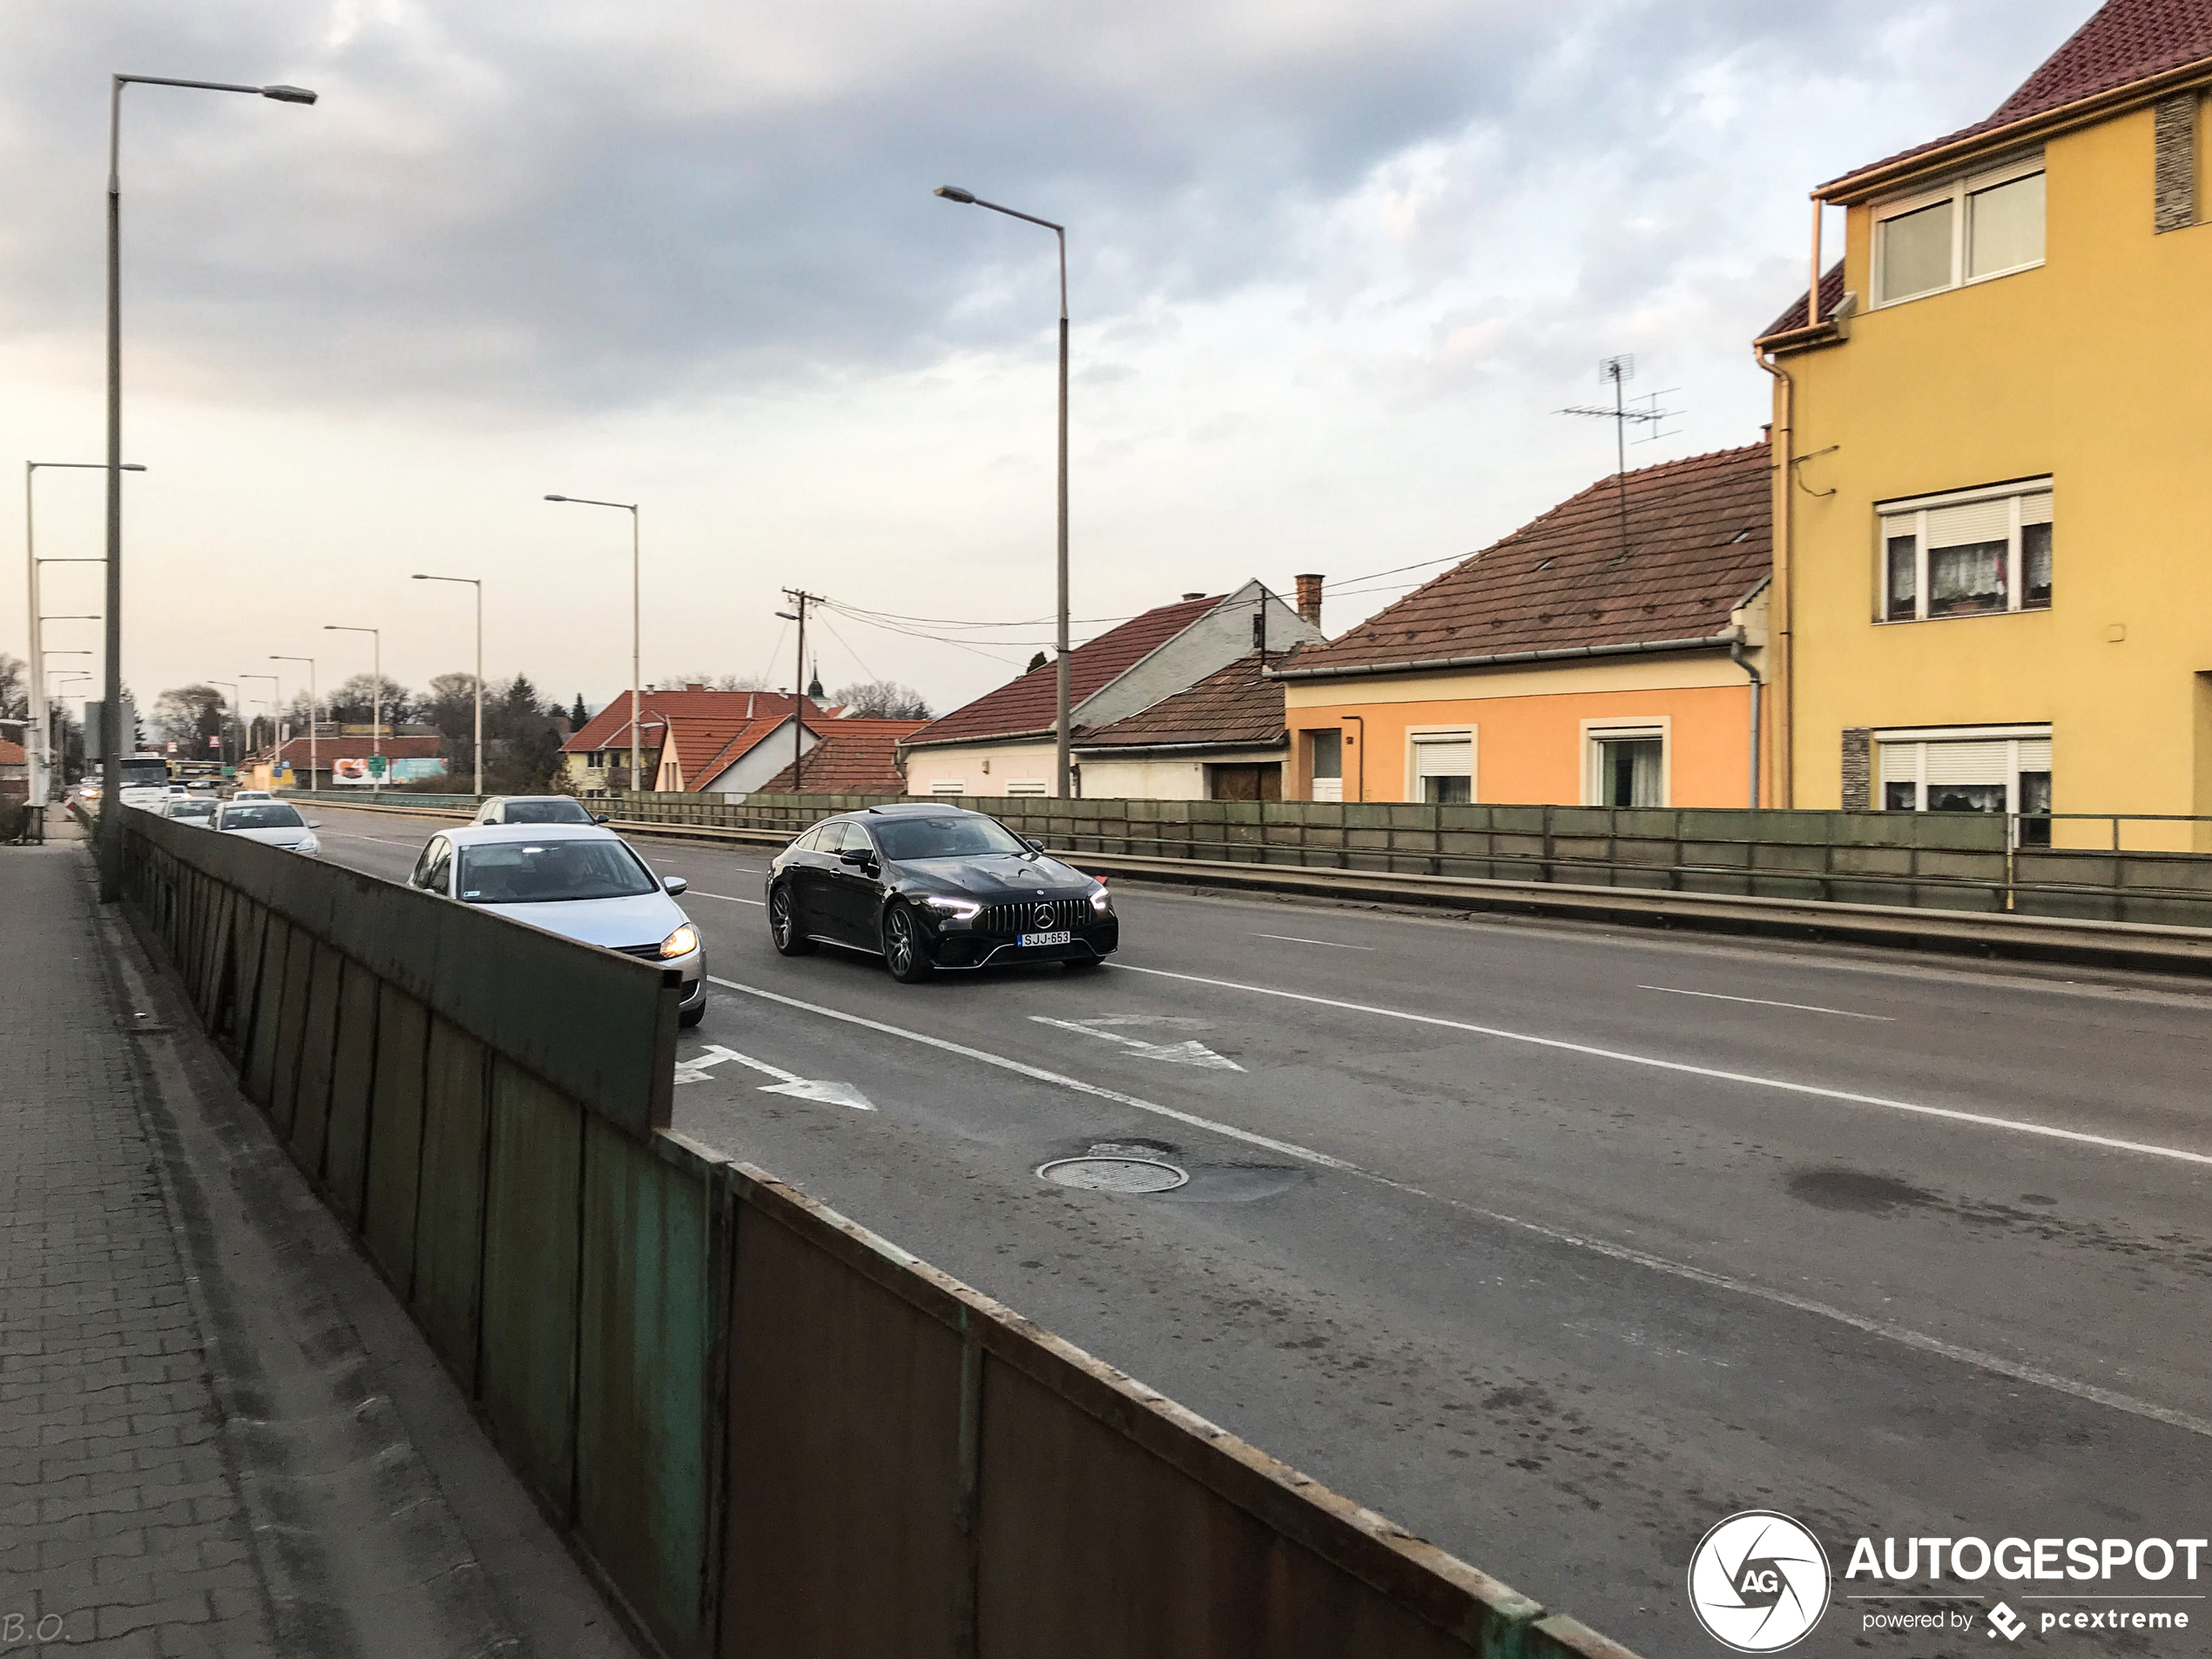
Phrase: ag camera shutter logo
x=1758 y=1581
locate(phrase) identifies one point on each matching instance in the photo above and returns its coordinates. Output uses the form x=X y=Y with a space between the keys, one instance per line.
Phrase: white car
x=536 y=809
x=252 y=794
x=275 y=823
x=193 y=809
x=575 y=880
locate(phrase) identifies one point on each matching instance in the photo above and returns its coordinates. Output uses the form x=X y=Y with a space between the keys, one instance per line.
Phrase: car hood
x=617 y=923
x=288 y=835
x=997 y=876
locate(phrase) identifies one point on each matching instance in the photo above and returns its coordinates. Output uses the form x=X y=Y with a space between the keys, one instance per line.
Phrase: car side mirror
x=598 y=818
x=1035 y=847
x=314 y=823
x=675 y=884
x=855 y=856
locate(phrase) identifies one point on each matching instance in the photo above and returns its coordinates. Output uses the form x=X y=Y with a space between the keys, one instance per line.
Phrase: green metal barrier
x=771 y=1431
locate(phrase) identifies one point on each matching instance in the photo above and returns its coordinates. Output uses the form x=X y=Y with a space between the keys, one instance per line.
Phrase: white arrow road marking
x=787 y=1082
x=1192 y=1053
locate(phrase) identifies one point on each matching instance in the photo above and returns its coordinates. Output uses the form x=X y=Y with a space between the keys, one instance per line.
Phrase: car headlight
x=958 y=909
x=1102 y=900
x=682 y=943
x=310 y=845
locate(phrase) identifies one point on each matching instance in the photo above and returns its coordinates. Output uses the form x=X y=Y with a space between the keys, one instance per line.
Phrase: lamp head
x=786 y=616
x=288 y=94
x=556 y=498
x=133 y=466
x=955 y=194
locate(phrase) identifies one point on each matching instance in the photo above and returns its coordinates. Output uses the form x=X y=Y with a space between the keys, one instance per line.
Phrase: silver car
x=277 y=823
x=193 y=809
x=535 y=809
x=575 y=880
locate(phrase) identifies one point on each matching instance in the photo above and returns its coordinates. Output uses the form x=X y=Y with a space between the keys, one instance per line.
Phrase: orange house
x=1610 y=653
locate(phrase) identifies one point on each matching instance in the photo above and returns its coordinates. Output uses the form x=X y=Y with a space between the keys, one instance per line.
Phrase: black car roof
x=892 y=808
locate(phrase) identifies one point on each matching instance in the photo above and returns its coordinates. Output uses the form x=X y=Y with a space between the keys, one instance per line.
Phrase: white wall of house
x=1161 y=777
x=1016 y=768
x=1213 y=642
x=751 y=770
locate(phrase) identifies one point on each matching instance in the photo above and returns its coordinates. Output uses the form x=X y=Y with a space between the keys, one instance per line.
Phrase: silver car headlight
x=958 y=909
x=682 y=943
x=310 y=845
x=1102 y=900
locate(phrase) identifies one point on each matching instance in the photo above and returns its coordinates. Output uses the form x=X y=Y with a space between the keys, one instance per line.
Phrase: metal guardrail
x=767 y=1429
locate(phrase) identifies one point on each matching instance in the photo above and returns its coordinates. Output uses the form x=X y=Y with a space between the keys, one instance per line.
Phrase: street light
x=40 y=756
x=314 y=720
x=223 y=753
x=276 y=692
x=111 y=711
x=376 y=691
x=969 y=199
x=477 y=747
x=635 y=670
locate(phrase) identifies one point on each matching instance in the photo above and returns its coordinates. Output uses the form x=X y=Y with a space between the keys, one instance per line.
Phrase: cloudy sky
x=1333 y=265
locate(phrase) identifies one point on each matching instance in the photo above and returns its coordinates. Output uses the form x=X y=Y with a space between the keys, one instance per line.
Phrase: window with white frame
x=1327 y=754
x=1970 y=769
x=1970 y=553
x=1624 y=765
x=1443 y=765
x=949 y=786
x=1984 y=224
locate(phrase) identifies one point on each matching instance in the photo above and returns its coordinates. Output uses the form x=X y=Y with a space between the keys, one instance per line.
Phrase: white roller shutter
x=2036 y=754
x=1968 y=762
x=1901 y=763
x=1444 y=755
x=2035 y=510
x=1971 y=522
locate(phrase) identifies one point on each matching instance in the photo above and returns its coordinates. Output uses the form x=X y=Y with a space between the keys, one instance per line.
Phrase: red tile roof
x=855 y=756
x=327 y=750
x=1235 y=706
x=1024 y=707
x=2127 y=41
x=1831 y=295
x=1700 y=541
x=731 y=710
x=11 y=753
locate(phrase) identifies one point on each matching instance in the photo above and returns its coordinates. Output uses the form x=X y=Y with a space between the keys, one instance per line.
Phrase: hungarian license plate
x=1029 y=939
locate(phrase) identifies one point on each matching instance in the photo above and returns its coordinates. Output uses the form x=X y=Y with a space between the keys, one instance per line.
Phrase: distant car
x=193 y=809
x=576 y=879
x=926 y=886
x=276 y=823
x=535 y=809
x=252 y=794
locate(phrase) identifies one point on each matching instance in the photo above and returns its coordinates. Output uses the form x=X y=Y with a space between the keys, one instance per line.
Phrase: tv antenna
x=1617 y=372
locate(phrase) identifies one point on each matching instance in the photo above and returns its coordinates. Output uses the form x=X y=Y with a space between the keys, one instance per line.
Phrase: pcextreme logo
x=1758 y=1581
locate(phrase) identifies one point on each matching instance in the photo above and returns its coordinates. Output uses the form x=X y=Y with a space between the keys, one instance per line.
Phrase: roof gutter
x=1223 y=744
x=1858 y=186
x=1502 y=659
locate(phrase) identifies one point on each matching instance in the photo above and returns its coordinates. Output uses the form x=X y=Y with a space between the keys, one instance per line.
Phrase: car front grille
x=651 y=951
x=1035 y=916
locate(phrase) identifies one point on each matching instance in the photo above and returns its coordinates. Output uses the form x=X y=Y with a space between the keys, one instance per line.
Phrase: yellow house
x=1992 y=568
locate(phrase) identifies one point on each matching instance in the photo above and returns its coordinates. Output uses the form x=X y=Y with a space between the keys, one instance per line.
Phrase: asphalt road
x=1556 y=1246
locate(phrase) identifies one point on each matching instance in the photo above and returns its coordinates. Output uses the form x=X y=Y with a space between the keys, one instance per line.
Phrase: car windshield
x=274 y=815
x=549 y=872
x=558 y=809
x=905 y=840
x=192 y=809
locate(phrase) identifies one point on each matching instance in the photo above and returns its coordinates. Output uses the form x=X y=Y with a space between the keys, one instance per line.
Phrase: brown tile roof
x=1700 y=539
x=701 y=712
x=327 y=750
x=1234 y=705
x=1831 y=295
x=854 y=758
x=2127 y=41
x=1025 y=706
x=11 y=753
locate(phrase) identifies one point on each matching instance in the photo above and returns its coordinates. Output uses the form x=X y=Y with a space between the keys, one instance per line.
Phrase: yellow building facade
x=1993 y=500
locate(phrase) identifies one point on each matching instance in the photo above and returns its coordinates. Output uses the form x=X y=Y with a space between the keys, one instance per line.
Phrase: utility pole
x=800 y=599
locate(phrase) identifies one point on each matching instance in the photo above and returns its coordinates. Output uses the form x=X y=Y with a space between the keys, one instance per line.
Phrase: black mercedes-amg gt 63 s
x=926 y=886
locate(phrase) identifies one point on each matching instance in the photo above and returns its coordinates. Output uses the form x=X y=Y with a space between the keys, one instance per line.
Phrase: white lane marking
x=1903 y=1335
x=1190 y=1052
x=727 y=898
x=1979 y=1119
x=347 y=835
x=787 y=1082
x=1293 y=939
x=1289 y=1149
x=1802 y=1008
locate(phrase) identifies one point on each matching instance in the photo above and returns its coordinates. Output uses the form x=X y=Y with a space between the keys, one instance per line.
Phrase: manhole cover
x=1115 y=1174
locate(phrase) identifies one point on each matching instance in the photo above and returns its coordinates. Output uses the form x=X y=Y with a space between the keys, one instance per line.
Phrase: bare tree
x=188 y=715
x=15 y=688
x=880 y=700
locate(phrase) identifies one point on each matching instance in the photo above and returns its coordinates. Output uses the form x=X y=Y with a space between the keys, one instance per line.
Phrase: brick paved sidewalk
x=122 y=1527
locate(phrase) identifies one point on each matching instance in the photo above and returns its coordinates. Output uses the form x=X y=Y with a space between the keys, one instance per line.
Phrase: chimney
x=695 y=688
x=1194 y=596
x=1308 y=599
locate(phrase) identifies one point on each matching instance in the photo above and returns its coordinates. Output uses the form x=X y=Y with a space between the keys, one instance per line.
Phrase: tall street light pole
x=377 y=690
x=314 y=723
x=636 y=668
x=477 y=748
x=276 y=692
x=111 y=710
x=968 y=198
x=40 y=755
x=223 y=752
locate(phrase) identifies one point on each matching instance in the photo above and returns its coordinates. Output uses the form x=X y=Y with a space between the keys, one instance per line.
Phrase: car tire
x=690 y=1017
x=785 y=925
x=902 y=950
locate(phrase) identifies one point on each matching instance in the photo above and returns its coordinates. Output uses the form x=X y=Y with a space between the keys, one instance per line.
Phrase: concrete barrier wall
x=770 y=1432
